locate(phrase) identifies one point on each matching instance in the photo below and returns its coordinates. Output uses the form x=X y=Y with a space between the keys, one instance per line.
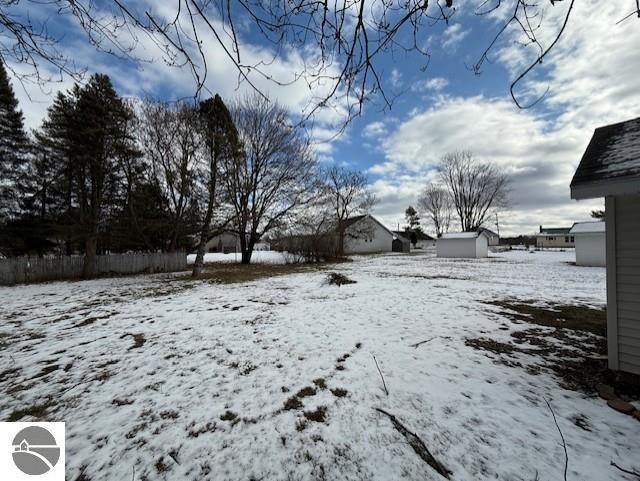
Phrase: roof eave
x=603 y=188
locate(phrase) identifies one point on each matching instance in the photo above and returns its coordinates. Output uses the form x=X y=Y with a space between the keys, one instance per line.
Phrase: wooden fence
x=36 y=269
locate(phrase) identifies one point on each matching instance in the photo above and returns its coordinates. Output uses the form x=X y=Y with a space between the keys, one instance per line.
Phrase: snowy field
x=159 y=378
x=258 y=257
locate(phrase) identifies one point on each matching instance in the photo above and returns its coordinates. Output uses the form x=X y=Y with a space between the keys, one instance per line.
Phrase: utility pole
x=497 y=225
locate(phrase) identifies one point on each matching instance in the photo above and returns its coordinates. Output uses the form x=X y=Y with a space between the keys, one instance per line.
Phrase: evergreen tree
x=412 y=218
x=13 y=148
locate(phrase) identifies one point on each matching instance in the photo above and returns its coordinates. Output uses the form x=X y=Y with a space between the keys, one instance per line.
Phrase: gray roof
x=612 y=157
x=488 y=231
x=554 y=230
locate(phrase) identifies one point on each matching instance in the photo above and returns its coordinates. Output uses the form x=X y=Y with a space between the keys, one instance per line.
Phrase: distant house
x=555 y=237
x=610 y=168
x=229 y=242
x=364 y=234
x=417 y=239
x=463 y=244
x=590 y=243
x=494 y=239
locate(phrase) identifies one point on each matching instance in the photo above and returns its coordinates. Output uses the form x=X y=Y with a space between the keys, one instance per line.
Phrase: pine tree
x=13 y=148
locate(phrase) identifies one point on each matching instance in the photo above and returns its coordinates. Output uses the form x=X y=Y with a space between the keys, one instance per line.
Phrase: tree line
x=106 y=174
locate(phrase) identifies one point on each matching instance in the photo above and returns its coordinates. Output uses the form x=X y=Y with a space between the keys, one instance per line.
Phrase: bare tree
x=352 y=37
x=476 y=188
x=273 y=177
x=436 y=202
x=348 y=194
x=220 y=139
x=170 y=140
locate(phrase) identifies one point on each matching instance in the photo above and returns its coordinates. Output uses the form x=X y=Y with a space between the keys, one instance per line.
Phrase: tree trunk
x=199 y=262
x=90 y=248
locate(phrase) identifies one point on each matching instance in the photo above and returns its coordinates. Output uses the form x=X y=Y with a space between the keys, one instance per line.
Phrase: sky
x=591 y=78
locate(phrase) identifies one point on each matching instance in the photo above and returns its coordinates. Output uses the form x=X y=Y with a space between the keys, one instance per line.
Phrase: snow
x=258 y=257
x=588 y=227
x=211 y=348
x=460 y=235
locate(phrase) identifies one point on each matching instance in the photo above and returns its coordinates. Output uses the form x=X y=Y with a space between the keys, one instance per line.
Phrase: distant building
x=610 y=168
x=418 y=239
x=590 y=243
x=555 y=237
x=463 y=244
x=494 y=239
x=364 y=234
x=229 y=242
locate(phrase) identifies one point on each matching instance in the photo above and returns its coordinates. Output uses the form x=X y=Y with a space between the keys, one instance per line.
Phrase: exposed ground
x=245 y=375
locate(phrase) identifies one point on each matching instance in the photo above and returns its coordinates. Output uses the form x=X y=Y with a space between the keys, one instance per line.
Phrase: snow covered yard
x=162 y=378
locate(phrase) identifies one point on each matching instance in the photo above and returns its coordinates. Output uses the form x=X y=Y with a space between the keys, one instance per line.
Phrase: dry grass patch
x=239 y=273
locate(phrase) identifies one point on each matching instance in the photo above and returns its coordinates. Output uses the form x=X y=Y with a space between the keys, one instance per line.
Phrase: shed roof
x=611 y=163
x=595 y=227
x=462 y=235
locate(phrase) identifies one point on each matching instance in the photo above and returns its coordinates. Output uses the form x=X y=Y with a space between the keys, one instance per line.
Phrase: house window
x=550 y=237
x=566 y=238
x=572 y=239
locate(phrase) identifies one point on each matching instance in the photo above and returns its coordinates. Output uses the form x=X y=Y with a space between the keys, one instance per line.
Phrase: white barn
x=364 y=234
x=610 y=168
x=463 y=244
x=590 y=243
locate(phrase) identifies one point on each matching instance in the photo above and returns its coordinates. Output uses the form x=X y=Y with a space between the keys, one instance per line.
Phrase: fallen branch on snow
x=384 y=384
x=417 y=444
x=627 y=471
x=564 y=444
x=417 y=344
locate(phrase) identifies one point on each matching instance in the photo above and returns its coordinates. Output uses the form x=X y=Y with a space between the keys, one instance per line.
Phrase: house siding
x=367 y=237
x=554 y=240
x=627 y=280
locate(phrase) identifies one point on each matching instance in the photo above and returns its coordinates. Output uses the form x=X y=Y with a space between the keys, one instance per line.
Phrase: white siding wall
x=371 y=237
x=482 y=246
x=465 y=248
x=627 y=280
x=590 y=249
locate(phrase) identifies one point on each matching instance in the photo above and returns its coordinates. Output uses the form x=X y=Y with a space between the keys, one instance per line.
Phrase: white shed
x=463 y=244
x=590 y=243
x=610 y=168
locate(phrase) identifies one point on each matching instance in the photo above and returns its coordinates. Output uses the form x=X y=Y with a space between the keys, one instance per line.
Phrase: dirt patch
x=568 y=343
x=306 y=391
x=339 y=392
x=565 y=316
x=320 y=383
x=292 y=403
x=318 y=416
x=122 y=402
x=228 y=416
x=138 y=340
x=337 y=279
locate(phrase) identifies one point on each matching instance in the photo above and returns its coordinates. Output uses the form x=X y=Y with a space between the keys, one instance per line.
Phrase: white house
x=590 y=243
x=364 y=234
x=463 y=244
x=555 y=237
x=610 y=168
x=494 y=239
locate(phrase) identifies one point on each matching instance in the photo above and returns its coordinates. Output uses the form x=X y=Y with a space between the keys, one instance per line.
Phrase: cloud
x=433 y=84
x=396 y=78
x=539 y=160
x=453 y=35
x=374 y=130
